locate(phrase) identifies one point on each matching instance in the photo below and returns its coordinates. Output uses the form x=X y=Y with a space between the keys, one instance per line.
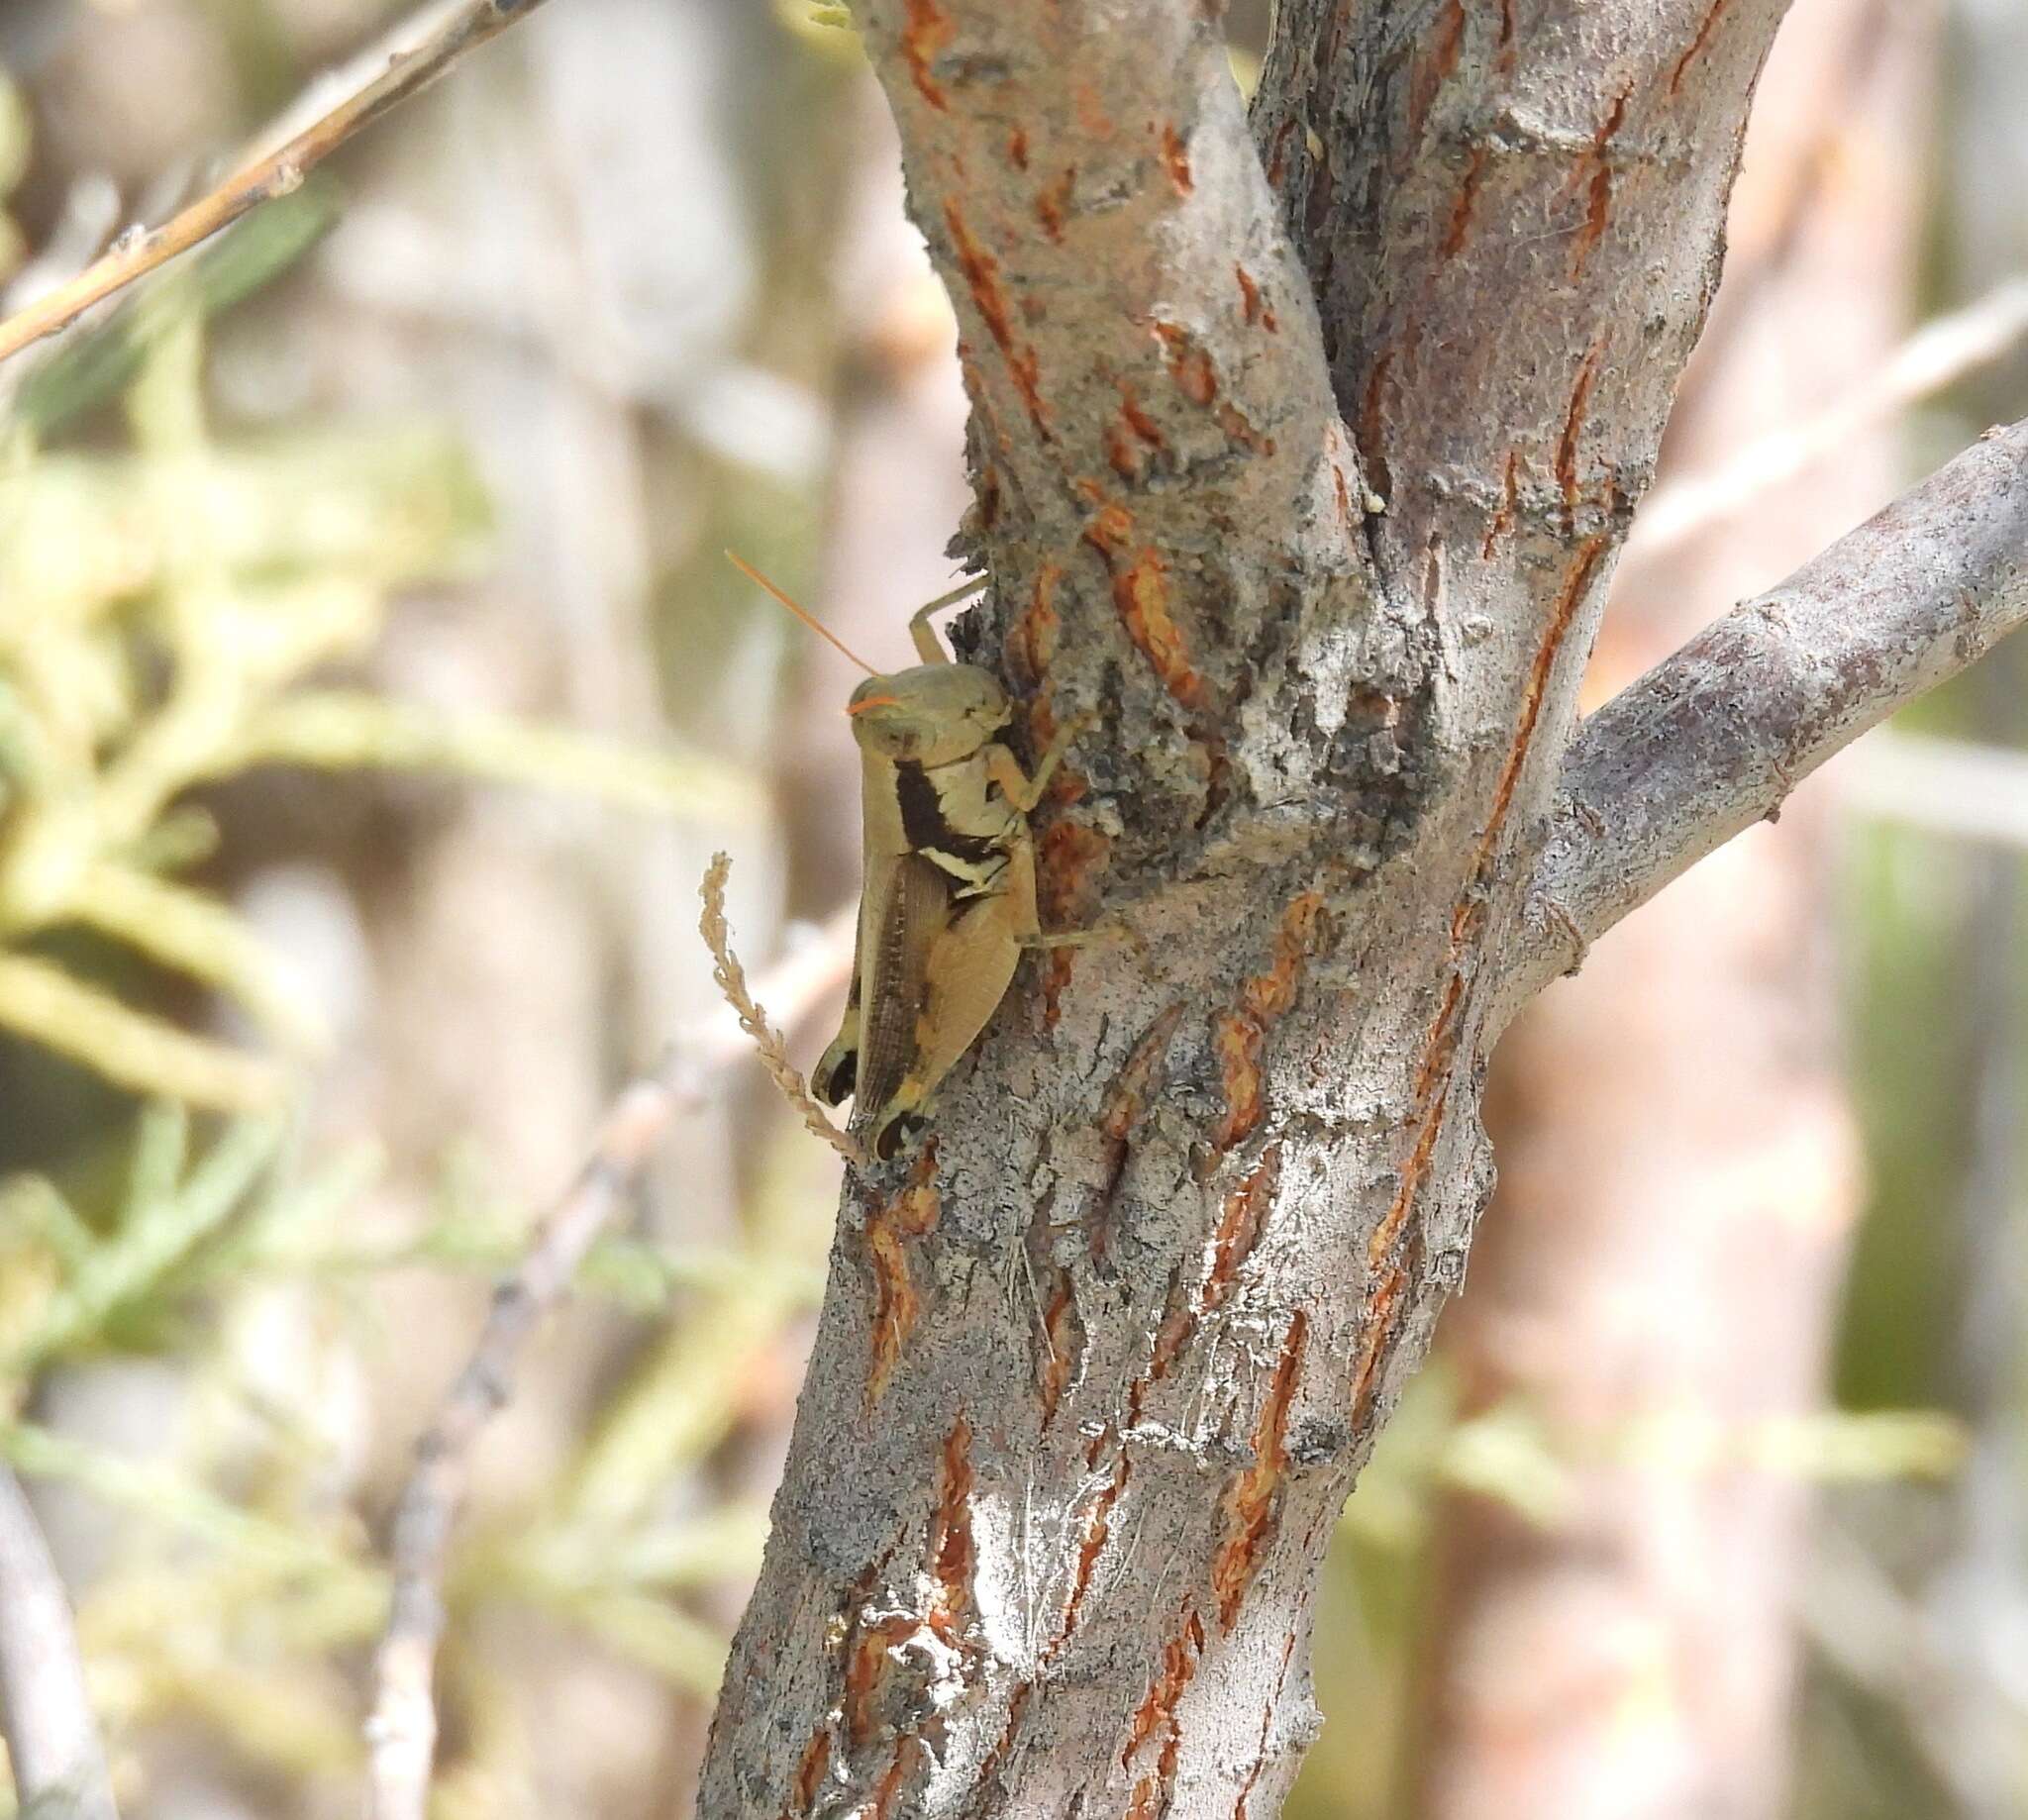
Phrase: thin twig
x=402 y=1733
x=1952 y=787
x=1715 y=737
x=1937 y=355
x=732 y=981
x=268 y=173
x=45 y=1716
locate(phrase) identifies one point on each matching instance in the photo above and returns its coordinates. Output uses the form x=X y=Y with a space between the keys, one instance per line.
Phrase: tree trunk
x=1676 y=1108
x=1098 y=1364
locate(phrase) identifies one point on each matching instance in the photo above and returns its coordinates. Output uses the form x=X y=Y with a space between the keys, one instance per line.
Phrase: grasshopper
x=949 y=902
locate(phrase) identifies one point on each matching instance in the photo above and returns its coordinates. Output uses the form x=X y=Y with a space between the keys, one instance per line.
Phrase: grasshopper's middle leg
x=1024 y=914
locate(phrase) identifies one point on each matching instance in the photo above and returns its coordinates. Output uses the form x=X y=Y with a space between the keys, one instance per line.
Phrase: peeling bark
x=1046 y=1545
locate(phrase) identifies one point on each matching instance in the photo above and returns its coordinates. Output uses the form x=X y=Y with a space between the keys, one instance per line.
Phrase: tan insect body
x=949 y=900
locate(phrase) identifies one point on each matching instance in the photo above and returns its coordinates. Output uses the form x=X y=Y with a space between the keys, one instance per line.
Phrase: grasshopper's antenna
x=815 y=624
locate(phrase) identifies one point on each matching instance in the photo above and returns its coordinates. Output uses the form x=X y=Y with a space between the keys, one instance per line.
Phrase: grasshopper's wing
x=895 y=980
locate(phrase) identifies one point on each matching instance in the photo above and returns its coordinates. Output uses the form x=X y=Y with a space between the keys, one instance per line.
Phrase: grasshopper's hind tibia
x=928 y=645
x=836 y=1074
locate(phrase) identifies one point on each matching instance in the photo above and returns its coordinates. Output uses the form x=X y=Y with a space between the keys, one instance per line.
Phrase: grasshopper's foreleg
x=928 y=645
x=1015 y=784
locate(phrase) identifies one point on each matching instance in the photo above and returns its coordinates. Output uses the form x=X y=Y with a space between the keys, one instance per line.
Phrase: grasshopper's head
x=932 y=714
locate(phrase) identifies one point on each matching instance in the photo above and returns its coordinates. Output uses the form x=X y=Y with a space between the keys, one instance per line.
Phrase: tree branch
x=1512 y=216
x=45 y=1716
x=1155 y=450
x=1714 y=738
x=1191 y=1203
x=264 y=174
x=402 y=1733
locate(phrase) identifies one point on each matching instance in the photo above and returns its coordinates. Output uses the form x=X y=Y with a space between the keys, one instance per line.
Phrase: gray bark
x=1628 y=1649
x=1096 y=1367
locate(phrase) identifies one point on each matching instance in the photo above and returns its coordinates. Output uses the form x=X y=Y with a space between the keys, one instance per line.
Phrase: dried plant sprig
x=732 y=981
x=402 y=1733
x=266 y=176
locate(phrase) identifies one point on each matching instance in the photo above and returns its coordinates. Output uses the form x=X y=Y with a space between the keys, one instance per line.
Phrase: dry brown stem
x=264 y=174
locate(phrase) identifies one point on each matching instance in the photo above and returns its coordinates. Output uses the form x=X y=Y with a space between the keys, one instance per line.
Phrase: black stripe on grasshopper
x=965 y=857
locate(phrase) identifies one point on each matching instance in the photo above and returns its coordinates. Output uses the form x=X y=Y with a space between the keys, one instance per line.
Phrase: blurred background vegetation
x=372 y=695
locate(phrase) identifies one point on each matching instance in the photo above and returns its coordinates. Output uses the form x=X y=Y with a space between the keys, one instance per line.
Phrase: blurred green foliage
x=179 y=609
x=169 y=615
x=241 y=1588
